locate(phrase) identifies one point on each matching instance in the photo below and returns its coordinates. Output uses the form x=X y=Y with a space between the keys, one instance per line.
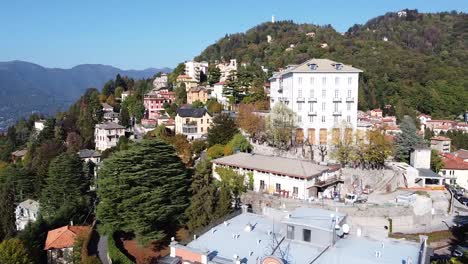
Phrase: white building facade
x=26 y=212
x=106 y=135
x=194 y=69
x=322 y=93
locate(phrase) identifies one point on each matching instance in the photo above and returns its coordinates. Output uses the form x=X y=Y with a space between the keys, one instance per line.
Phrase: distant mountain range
x=27 y=87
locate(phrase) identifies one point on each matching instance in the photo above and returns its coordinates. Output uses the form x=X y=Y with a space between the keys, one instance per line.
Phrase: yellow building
x=192 y=122
x=188 y=81
x=197 y=94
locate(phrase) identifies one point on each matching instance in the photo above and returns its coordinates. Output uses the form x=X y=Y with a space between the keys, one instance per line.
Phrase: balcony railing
x=337 y=99
x=284 y=99
x=329 y=181
x=189 y=129
x=312 y=113
x=300 y=99
x=349 y=99
x=336 y=113
x=312 y=99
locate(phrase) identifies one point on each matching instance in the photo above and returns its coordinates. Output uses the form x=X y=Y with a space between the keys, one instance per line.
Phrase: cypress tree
x=202 y=204
x=143 y=190
x=7 y=212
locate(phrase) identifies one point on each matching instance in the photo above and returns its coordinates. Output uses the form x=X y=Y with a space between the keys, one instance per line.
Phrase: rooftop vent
x=312 y=66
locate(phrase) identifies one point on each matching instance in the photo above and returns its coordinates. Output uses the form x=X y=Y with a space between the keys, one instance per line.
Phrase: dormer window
x=338 y=66
x=312 y=66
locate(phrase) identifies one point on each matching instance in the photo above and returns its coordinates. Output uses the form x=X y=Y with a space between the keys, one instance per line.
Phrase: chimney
x=71 y=222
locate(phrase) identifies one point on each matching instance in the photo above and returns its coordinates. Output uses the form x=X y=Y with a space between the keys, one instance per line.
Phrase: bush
x=115 y=254
x=216 y=151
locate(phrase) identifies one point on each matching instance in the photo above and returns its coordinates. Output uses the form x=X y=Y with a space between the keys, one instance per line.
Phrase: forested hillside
x=415 y=62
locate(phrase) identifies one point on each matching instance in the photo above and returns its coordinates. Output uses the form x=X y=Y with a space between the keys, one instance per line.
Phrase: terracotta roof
x=441 y=138
x=453 y=162
x=441 y=121
x=64 y=237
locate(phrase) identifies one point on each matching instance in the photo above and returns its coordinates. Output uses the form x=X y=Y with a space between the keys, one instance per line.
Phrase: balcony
x=336 y=113
x=337 y=99
x=283 y=99
x=312 y=99
x=189 y=129
x=350 y=99
x=312 y=113
x=300 y=99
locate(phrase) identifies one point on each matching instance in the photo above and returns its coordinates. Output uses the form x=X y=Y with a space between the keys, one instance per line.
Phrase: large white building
x=26 y=212
x=322 y=93
x=286 y=177
x=106 y=135
x=194 y=69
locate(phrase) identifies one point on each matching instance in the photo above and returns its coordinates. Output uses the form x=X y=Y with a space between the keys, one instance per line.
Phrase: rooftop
x=64 y=237
x=453 y=162
x=20 y=153
x=321 y=66
x=88 y=153
x=106 y=106
x=191 y=112
x=29 y=204
x=272 y=164
x=440 y=138
x=461 y=153
x=312 y=217
x=109 y=125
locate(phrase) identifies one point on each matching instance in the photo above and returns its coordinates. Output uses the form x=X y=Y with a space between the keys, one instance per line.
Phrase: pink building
x=154 y=102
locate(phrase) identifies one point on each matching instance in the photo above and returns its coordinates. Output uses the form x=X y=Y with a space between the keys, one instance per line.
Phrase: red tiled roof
x=64 y=237
x=453 y=162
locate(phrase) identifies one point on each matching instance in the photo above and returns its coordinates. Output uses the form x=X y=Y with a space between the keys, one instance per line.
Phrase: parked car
x=459 y=251
x=352 y=198
x=463 y=200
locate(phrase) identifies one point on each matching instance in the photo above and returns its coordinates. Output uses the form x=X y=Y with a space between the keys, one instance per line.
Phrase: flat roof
x=109 y=125
x=254 y=245
x=285 y=166
x=313 y=217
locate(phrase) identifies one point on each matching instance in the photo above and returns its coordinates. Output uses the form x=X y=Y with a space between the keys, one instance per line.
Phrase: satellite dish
x=345 y=228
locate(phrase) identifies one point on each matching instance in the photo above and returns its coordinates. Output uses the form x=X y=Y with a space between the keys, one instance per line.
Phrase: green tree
x=181 y=94
x=279 y=125
x=224 y=203
x=7 y=212
x=436 y=161
x=12 y=251
x=213 y=106
x=118 y=92
x=214 y=75
x=232 y=181
x=124 y=118
x=203 y=201
x=20 y=181
x=222 y=130
x=142 y=190
x=407 y=139
x=64 y=194
x=215 y=151
x=90 y=114
x=240 y=143
x=197 y=104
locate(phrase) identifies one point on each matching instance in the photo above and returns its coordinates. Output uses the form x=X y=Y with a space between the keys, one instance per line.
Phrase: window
x=299 y=80
x=299 y=106
x=312 y=80
x=337 y=80
x=311 y=93
x=299 y=93
x=348 y=106
x=306 y=235
x=201 y=129
x=262 y=185
x=201 y=121
x=335 y=119
x=323 y=106
x=59 y=253
x=349 y=80
x=295 y=191
x=290 y=232
x=323 y=119
x=349 y=93
x=335 y=107
x=324 y=93
x=324 y=80
x=311 y=107
x=348 y=119
x=311 y=119
x=278 y=187
x=299 y=119
x=337 y=93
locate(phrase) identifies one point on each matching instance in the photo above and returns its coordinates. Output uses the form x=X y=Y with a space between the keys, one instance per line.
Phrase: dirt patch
x=151 y=253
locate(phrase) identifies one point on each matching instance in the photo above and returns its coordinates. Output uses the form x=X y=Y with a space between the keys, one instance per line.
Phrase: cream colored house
x=192 y=122
x=199 y=93
x=188 y=81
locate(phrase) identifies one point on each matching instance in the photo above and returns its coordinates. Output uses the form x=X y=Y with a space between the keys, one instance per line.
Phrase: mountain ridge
x=27 y=87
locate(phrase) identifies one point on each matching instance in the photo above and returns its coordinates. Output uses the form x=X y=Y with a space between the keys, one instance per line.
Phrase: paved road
x=102 y=249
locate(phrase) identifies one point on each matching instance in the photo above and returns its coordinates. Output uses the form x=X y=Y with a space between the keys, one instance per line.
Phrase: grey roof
x=272 y=164
x=109 y=125
x=253 y=245
x=191 y=112
x=461 y=153
x=427 y=173
x=106 y=105
x=29 y=204
x=88 y=153
x=111 y=114
x=323 y=65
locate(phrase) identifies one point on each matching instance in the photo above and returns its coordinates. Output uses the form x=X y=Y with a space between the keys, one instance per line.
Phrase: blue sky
x=144 y=33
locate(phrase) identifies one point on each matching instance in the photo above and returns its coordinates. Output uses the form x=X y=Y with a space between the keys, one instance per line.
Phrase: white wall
x=102 y=139
x=311 y=85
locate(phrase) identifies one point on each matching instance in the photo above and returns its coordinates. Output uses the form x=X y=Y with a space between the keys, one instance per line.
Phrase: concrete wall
x=421 y=158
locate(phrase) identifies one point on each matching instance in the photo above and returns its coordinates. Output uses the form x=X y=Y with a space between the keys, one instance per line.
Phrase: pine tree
x=64 y=194
x=202 y=204
x=7 y=212
x=407 y=139
x=224 y=203
x=12 y=251
x=143 y=190
x=222 y=130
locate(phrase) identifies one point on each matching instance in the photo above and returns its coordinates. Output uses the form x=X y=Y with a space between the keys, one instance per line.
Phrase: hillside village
x=227 y=161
